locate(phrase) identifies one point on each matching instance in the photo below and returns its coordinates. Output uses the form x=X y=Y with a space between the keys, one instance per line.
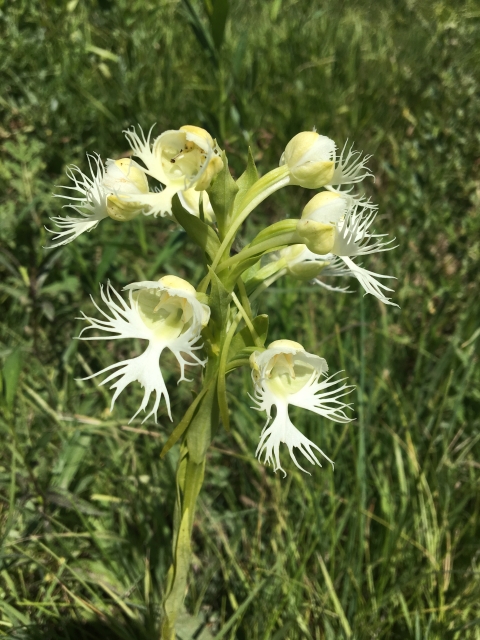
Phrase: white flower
x=99 y=196
x=180 y=160
x=313 y=162
x=337 y=229
x=168 y=315
x=286 y=374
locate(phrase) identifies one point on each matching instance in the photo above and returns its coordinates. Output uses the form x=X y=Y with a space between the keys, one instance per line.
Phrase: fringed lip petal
x=286 y=375
x=282 y=430
x=350 y=167
x=90 y=203
x=125 y=321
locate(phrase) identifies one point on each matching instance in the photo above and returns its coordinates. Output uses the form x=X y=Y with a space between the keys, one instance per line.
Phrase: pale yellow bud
x=121 y=209
x=310 y=159
x=318 y=236
x=307 y=270
x=321 y=201
x=125 y=176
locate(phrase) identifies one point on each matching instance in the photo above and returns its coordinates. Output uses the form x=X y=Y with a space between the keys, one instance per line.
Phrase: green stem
x=189 y=480
x=265 y=186
x=266 y=283
x=221 y=382
x=262 y=247
x=244 y=297
x=248 y=322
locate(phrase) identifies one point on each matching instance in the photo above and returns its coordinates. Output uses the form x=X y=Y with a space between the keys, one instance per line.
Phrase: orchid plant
x=211 y=326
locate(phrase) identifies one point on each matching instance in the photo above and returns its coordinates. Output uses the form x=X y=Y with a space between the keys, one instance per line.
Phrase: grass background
x=387 y=546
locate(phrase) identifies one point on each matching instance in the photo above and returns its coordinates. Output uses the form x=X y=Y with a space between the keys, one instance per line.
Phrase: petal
x=283 y=430
x=351 y=167
x=144 y=369
x=125 y=323
x=158 y=203
x=368 y=280
x=315 y=397
x=70 y=228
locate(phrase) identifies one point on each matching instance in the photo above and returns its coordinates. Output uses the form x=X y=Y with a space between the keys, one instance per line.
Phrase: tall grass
x=387 y=545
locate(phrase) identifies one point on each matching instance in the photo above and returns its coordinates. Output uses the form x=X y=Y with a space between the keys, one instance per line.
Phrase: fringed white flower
x=168 y=315
x=313 y=162
x=285 y=374
x=99 y=196
x=180 y=160
x=340 y=231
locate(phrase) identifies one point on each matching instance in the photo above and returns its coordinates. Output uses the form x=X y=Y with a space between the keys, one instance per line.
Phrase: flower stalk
x=212 y=327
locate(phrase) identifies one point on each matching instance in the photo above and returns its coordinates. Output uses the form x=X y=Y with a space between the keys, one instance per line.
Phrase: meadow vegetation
x=388 y=544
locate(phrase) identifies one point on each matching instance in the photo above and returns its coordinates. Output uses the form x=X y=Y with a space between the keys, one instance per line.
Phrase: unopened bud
x=122 y=209
x=318 y=236
x=325 y=207
x=307 y=270
x=310 y=159
x=125 y=176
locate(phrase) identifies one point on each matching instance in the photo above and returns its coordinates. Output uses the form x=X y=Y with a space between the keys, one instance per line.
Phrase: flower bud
x=325 y=207
x=125 y=176
x=299 y=262
x=318 y=236
x=310 y=159
x=122 y=209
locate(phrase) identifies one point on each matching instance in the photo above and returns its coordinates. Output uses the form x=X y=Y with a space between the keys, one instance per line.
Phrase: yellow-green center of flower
x=168 y=316
x=286 y=374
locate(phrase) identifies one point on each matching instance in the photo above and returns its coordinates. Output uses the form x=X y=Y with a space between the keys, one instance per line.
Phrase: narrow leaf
x=203 y=425
x=202 y=234
x=11 y=374
x=218 y=19
x=183 y=424
x=246 y=180
x=218 y=301
x=222 y=194
x=244 y=338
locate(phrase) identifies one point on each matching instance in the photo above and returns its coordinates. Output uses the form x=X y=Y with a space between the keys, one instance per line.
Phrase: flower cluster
x=332 y=232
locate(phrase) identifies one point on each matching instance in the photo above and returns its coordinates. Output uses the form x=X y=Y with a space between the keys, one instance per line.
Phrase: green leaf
x=203 y=425
x=254 y=277
x=246 y=180
x=277 y=229
x=11 y=374
x=183 y=424
x=222 y=194
x=244 y=339
x=217 y=11
x=218 y=301
x=174 y=600
x=202 y=234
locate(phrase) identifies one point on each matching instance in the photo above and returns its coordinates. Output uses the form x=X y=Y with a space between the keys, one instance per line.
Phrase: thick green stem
x=268 y=184
x=259 y=249
x=189 y=480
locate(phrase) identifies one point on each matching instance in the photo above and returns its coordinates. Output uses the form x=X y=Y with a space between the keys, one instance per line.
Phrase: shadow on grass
x=108 y=629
